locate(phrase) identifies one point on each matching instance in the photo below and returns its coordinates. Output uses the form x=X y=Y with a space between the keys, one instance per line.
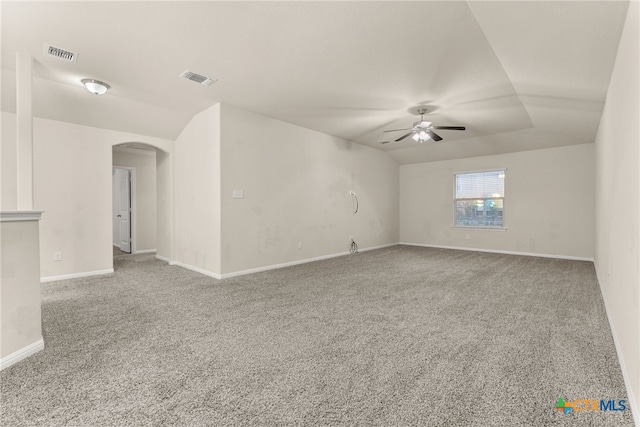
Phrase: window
x=479 y=199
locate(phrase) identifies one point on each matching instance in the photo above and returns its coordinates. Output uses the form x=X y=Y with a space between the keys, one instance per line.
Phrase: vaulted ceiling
x=519 y=75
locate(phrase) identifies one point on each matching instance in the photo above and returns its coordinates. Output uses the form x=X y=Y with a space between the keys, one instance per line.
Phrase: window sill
x=471 y=227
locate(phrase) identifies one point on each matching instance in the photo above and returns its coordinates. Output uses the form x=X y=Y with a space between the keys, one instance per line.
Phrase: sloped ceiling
x=518 y=75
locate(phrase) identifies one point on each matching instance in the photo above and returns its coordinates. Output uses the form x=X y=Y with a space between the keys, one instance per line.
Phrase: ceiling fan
x=422 y=130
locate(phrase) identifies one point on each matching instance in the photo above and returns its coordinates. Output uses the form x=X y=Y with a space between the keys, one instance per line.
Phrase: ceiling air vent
x=198 y=78
x=56 y=52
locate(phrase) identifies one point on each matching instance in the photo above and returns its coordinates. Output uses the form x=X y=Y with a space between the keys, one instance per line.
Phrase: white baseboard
x=145 y=251
x=282 y=265
x=21 y=354
x=196 y=269
x=298 y=262
x=161 y=258
x=623 y=367
x=373 y=248
x=496 y=251
x=267 y=267
x=75 y=275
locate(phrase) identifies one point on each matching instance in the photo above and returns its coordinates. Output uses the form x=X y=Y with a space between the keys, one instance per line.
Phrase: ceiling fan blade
x=404 y=136
x=395 y=130
x=434 y=135
x=450 y=127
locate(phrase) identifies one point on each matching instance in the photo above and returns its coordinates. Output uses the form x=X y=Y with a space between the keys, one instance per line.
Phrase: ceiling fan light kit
x=421 y=136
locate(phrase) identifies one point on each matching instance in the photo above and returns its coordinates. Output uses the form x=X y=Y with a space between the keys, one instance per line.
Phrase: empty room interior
x=320 y=213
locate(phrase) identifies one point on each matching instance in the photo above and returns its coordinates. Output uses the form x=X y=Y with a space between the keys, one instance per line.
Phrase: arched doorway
x=147 y=170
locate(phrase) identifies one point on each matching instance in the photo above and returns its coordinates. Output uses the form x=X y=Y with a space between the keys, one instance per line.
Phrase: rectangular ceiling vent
x=198 y=78
x=56 y=52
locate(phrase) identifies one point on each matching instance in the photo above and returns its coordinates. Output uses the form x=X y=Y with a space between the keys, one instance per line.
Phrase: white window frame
x=455 y=199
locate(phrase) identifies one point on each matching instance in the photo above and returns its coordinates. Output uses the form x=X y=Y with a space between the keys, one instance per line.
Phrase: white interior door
x=124 y=209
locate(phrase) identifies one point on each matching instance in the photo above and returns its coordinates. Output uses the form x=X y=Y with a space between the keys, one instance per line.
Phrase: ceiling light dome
x=95 y=86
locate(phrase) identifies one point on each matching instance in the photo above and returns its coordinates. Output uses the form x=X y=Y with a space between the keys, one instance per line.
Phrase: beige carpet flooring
x=400 y=336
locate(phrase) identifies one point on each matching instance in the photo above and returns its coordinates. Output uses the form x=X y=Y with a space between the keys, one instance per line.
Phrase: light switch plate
x=238 y=194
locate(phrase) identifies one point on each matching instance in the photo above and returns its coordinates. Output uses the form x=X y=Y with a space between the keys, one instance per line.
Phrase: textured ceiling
x=518 y=75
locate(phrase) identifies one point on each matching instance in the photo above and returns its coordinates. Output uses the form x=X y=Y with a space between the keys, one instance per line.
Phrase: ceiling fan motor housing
x=422 y=124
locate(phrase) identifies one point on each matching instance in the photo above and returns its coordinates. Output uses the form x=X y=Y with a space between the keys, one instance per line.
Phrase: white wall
x=144 y=162
x=296 y=185
x=617 y=253
x=20 y=321
x=164 y=209
x=72 y=185
x=72 y=177
x=548 y=206
x=197 y=192
x=9 y=163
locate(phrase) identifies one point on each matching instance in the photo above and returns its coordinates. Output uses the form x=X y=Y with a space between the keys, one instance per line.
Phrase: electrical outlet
x=299 y=245
x=57 y=256
x=352 y=193
x=466 y=236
